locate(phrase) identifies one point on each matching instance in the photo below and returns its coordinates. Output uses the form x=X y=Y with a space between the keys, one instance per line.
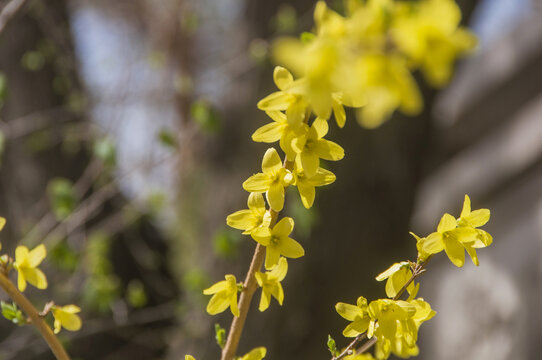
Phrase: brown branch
x=350 y=347
x=250 y=286
x=29 y=309
x=9 y=11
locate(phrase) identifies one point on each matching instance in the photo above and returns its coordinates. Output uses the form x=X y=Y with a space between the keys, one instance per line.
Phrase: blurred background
x=125 y=137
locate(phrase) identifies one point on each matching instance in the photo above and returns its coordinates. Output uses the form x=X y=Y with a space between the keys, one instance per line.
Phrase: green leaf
x=135 y=294
x=220 y=336
x=307 y=37
x=62 y=197
x=205 y=115
x=168 y=138
x=12 y=313
x=332 y=346
x=105 y=150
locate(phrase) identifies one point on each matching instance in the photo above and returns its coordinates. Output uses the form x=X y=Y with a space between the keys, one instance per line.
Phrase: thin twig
x=29 y=309
x=250 y=286
x=9 y=11
x=350 y=347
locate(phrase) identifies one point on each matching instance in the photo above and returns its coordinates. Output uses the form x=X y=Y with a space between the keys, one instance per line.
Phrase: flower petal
x=268 y=133
x=271 y=161
x=258 y=183
x=275 y=196
x=290 y=248
x=282 y=77
x=455 y=251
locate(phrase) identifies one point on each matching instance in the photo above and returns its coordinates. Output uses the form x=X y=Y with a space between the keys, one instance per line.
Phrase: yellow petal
x=35 y=277
x=390 y=271
x=478 y=217
x=455 y=252
x=275 y=196
x=321 y=126
x=306 y=193
x=218 y=303
x=255 y=354
x=310 y=163
x=466 y=207
x=268 y=133
x=357 y=327
x=21 y=254
x=348 y=311
x=277 y=116
x=322 y=177
x=328 y=150
x=276 y=101
x=219 y=286
x=242 y=220
x=472 y=253
x=284 y=227
x=2 y=223
x=189 y=357
x=433 y=244
x=447 y=222
x=262 y=235
x=271 y=161
x=255 y=202
x=265 y=300
x=57 y=326
x=290 y=248
x=21 y=282
x=339 y=113
x=258 y=183
x=279 y=271
x=272 y=256
x=282 y=77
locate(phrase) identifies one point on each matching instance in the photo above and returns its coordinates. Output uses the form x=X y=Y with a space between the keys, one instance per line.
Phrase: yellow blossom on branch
x=277 y=242
x=313 y=147
x=26 y=263
x=224 y=294
x=306 y=185
x=252 y=218
x=280 y=129
x=272 y=180
x=66 y=317
x=397 y=275
x=255 y=354
x=270 y=283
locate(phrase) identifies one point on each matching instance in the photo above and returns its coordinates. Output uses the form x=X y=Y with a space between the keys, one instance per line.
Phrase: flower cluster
x=364 y=60
x=26 y=264
x=393 y=322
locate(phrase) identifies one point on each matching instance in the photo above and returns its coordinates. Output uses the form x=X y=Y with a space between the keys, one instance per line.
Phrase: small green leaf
x=168 y=138
x=62 y=197
x=307 y=37
x=205 y=115
x=332 y=346
x=135 y=294
x=220 y=335
x=105 y=150
x=12 y=313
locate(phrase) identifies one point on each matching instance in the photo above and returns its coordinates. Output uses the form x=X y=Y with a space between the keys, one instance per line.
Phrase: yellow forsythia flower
x=305 y=185
x=26 y=263
x=224 y=294
x=189 y=357
x=277 y=242
x=398 y=274
x=255 y=354
x=313 y=147
x=358 y=315
x=280 y=129
x=251 y=219
x=66 y=317
x=270 y=283
x=272 y=180
x=454 y=236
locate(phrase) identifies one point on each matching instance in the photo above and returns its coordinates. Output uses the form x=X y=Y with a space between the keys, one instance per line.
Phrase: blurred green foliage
x=12 y=313
x=205 y=115
x=135 y=294
x=226 y=243
x=105 y=150
x=64 y=257
x=62 y=197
